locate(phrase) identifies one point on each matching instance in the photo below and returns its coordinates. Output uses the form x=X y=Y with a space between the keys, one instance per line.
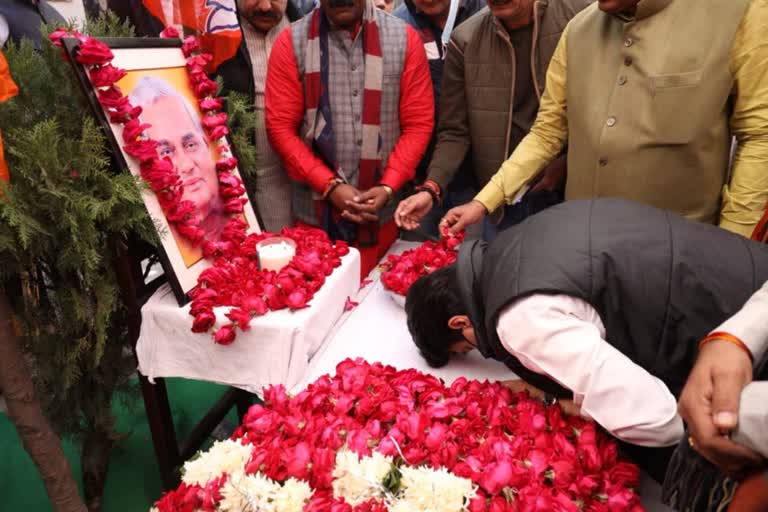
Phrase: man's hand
x=365 y=206
x=341 y=194
x=554 y=175
x=709 y=404
x=411 y=210
x=457 y=219
x=517 y=385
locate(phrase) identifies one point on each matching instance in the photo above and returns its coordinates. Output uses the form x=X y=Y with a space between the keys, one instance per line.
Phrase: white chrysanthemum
x=431 y=490
x=358 y=480
x=249 y=493
x=224 y=457
x=292 y=496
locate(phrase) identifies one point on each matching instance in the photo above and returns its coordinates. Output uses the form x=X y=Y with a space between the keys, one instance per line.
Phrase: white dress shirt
x=563 y=337
x=5 y=31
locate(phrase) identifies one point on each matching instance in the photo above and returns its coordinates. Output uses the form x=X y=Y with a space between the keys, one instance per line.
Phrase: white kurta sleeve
x=563 y=337
x=752 y=431
x=750 y=324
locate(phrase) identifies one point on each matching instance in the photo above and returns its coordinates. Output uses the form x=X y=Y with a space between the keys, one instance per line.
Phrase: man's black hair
x=431 y=302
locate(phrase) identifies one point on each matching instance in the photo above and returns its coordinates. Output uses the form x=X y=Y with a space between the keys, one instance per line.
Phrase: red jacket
x=284 y=97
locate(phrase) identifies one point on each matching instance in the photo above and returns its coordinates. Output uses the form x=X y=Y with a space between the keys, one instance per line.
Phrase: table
x=376 y=330
x=276 y=350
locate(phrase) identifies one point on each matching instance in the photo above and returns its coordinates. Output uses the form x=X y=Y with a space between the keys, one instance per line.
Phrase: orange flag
x=8 y=90
x=214 y=22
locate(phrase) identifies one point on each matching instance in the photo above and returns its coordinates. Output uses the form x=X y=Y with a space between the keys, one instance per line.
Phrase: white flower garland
x=356 y=479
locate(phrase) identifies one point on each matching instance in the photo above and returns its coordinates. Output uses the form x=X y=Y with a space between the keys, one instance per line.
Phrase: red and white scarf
x=320 y=134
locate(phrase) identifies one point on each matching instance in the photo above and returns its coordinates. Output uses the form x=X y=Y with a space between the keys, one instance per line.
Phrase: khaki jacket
x=477 y=98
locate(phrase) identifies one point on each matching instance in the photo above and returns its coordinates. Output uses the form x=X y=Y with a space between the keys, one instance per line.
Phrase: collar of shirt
x=645 y=9
x=246 y=26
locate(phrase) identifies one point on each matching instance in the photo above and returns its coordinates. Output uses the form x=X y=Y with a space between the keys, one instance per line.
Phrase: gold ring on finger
x=691 y=443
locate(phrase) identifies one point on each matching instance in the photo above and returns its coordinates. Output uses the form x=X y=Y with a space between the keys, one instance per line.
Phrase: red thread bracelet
x=730 y=338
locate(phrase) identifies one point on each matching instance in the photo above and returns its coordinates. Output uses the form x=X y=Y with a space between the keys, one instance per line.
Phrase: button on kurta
x=611 y=121
x=622 y=80
x=627 y=61
x=628 y=42
x=359 y=142
x=354 y=67
x=354 y=93
x=603 y=162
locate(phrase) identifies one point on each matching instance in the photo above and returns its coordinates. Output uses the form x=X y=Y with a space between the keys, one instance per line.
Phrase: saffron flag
x=214 y=22
x=8 y=90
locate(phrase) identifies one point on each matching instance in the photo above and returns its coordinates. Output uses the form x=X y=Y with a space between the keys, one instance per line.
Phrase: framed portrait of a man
x=157 y=81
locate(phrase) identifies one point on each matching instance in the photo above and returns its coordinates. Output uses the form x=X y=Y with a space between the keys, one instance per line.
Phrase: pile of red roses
x=234 y=279
x=238 y=281
x=402 y=270
x=522 y=455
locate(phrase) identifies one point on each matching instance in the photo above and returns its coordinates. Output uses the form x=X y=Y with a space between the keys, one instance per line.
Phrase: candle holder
x=275 y=252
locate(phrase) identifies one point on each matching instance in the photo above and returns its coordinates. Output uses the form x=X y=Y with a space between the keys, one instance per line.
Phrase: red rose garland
x=402 y=270
x=235 y=278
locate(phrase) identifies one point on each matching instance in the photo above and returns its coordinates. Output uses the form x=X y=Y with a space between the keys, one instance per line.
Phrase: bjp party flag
x=214 y=22
x=8 y=90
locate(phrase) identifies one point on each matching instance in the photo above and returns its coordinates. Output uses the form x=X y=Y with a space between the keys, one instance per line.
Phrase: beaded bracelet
x=433 y=189
x=730 y=338
x=435 y=197
x=332 y=184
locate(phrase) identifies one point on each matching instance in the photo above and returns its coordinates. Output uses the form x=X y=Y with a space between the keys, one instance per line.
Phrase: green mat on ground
x=133 y=482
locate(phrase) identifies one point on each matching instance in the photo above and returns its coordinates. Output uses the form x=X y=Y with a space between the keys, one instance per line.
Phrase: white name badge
x=433 y=53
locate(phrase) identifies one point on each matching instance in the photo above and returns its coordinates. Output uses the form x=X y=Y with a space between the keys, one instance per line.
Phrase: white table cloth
x=376 y=330
x=276 y=350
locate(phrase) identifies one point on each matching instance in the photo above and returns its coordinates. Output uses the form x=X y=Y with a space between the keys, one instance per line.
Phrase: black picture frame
x=71 y=45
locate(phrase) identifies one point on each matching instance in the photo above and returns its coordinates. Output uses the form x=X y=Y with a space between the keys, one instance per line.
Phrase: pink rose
x=94 y=52
x=190 y=45
x=225 y=335
x=203 y=322
x=105 y=76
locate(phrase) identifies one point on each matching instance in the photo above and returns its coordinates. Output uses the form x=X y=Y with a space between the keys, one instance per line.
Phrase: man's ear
x=459 y=322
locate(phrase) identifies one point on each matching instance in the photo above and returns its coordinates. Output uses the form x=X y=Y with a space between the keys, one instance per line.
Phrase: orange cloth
x=214 y=23
x=8 y=90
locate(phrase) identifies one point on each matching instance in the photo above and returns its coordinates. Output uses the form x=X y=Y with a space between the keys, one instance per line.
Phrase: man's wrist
x=332 y=185
x=433 y=189
x=728 y=338
x=389 y=191
x=491 y=197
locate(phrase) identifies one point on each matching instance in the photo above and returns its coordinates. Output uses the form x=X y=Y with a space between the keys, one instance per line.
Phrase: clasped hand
x=358 y=206
x=709 y=404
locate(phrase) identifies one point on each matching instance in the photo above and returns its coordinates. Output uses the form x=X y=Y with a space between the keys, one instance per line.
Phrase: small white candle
x=274 y=254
